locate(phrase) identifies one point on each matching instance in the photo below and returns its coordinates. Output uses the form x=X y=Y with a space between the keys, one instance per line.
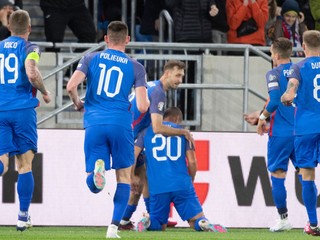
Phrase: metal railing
x=165 y=47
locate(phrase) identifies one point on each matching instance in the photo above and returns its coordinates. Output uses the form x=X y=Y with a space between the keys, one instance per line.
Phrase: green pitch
x=92 y=233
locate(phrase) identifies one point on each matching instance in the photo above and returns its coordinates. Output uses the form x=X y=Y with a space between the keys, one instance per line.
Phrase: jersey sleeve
x=294 y=72
x=32 y=52
x=272 y=81
x=273 y=85
x=157 y=101
x=83 y=64
x=140 y=75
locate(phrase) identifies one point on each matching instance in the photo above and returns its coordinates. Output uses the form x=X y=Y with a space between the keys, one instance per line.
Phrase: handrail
x=73 y=60
x=165 y=46
x=59 y=68
x=165 y=15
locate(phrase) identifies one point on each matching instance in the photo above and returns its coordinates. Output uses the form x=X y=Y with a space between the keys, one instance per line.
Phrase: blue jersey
x=282 y=117
x=307 y=100
x=111 y=74
x=16 y=92
x=157 y=97
x=167 y=170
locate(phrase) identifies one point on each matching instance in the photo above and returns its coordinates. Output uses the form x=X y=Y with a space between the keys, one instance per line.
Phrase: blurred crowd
x=256 y=22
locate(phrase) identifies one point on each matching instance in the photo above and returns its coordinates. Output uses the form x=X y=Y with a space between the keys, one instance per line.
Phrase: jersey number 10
x=105 y=78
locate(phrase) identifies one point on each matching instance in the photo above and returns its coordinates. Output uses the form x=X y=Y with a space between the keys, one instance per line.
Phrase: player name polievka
x=10 y=44
x=113 y=58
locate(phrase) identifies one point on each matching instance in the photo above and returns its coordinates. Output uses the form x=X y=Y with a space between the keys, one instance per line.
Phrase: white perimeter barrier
x=232 y=184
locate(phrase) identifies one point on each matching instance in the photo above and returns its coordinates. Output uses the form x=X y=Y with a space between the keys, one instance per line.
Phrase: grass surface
x=61 y=233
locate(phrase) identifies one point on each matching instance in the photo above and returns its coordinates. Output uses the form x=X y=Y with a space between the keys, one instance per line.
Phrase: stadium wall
x=232 y=183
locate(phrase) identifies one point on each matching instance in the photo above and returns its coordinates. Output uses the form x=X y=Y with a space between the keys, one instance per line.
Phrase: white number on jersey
x=316 y=87
x=105 y=78
x=10 y=64
x=166 y=143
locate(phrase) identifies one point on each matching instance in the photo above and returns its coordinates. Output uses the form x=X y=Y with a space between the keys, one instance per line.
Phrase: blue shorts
x=101 y=141
x=18 y=131
x=280 y=150
x=307 y=150
x=185 y=202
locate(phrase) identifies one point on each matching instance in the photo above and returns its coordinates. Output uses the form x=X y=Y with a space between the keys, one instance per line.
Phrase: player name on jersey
x=10 y=45
x=315 y=65
x=114 y=58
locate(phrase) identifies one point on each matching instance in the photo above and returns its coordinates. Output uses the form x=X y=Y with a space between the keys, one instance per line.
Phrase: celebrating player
x=19 y=80
x=107 y=120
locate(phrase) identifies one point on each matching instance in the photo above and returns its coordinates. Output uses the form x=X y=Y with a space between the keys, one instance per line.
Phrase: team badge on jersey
x=36 y=50
x=161 y=106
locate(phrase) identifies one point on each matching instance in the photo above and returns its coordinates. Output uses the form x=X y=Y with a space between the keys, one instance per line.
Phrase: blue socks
x=196 y=224
x=120 y=201
x=25 y=187
x=129 y=211
x=309 y=196
x=279 y=195
x=91 y=184
x=1 y=167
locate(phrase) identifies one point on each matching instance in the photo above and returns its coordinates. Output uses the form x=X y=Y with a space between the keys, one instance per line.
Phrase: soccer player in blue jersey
x=166 y=159
x=170 y=79
x=303 y=89
x=281 y=135
x=110 y=76
x=20 y=79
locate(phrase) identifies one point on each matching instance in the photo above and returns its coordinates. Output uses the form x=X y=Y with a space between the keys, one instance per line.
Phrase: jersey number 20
x=167 y=144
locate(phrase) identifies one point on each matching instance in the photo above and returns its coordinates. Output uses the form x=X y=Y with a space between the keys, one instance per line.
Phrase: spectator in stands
x=111 y=10
x=192 y=24
x=238 y=14
x=291 y=24
x=192 y=19
x=219 y=22
x=269 y=28
x=58 y=14
x=315 y=10
x=6 y=8
x=304 y=6
x=150 y=17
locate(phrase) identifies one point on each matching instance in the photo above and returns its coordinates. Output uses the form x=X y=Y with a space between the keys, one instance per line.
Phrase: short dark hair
x=174 y=63
x=282 y=46
x=173 y=112
x=117 y=32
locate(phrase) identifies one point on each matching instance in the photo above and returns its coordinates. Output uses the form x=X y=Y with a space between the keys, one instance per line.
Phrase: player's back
x=308 y=96
x=111 y=75
x=166 y=162
x=16 y=92
x=282 y=119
